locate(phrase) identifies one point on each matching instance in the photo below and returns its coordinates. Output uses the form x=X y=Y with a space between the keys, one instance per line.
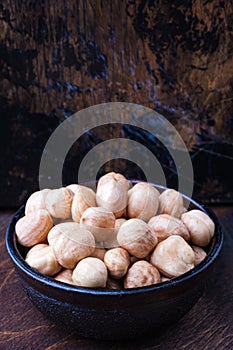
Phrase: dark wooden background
x=57 y=57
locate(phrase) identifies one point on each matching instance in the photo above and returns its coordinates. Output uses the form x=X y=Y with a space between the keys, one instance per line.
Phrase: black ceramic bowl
x=114 y=314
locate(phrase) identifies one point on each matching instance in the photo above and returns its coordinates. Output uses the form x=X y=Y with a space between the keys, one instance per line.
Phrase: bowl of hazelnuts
x=113 y=259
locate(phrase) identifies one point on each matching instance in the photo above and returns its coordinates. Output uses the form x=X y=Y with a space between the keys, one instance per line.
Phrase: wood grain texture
x=64 y=56
x=58 y=57
x=209 y=325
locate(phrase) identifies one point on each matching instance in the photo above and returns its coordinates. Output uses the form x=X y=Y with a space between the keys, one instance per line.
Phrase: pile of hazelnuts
x=121 y=236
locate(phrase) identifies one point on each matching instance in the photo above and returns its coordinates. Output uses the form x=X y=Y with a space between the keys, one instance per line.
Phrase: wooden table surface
x=209 y=325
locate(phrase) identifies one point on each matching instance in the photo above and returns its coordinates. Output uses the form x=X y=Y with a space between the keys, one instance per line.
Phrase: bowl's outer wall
x=127 y=316
x=116 y=314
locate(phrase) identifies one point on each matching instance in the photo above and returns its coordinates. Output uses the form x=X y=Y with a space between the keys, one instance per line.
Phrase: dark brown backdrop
x=57 y=57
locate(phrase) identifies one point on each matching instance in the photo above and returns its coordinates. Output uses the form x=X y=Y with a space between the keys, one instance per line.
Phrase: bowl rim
x=11 y=245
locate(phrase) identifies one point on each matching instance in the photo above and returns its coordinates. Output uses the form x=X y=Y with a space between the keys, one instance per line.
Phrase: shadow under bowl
x=114 y=314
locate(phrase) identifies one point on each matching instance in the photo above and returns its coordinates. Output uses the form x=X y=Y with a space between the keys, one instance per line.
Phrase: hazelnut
x=42 y=258
x=99 y=221
x=33 y=228
x=84 y=198
x=141 y=274
x=70 y=243
x=143 y=201
x=112 y=193
x=200 y=254
x=200 y=226
x=118 y=223
x=73 y=187
x=58 y=203
x=117 y=261
x=65 y=276
x=90 y=272
x=137 y=238
x=165 y=279
x=165 y=225
x=36 y=201
x=99 y=253
x=171 y=203
x=173 y=257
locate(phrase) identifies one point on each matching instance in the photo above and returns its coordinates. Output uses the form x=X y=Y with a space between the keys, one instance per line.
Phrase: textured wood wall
x=57 y=57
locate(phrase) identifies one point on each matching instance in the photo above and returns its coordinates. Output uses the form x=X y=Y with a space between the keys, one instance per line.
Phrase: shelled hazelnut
x=199 y=253
x=58 y=203
x=65 y=276
x=173 y=257
x=171 y=203
x=90 y=272
x=112 y=193
x=42 y=258
x=84 y=198
x=117 y=261
x=165 y=225
x=143 y=201
x=99 y=221
x=201 y=227
x=33 y=228
x=141 y=274
x=36 y=201
x=71 y=243
x=137 y=238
